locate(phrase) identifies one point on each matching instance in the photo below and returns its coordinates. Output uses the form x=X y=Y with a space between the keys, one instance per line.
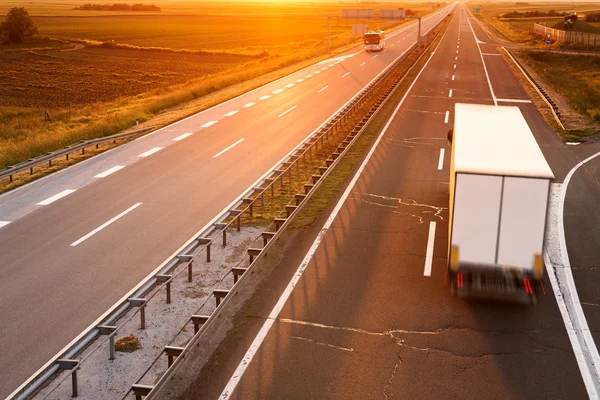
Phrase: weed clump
x=128 y=344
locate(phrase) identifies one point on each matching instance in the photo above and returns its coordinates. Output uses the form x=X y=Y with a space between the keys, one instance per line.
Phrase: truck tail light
x=459 y=280
x=527 y=284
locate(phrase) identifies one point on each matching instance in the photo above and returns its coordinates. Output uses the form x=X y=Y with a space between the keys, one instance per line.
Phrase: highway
x=74 y=243
x=362 y=312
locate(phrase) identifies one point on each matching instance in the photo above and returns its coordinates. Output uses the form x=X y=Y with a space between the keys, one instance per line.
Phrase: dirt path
x=78 y=46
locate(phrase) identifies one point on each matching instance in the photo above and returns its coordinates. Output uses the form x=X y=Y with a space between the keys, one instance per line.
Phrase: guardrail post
x=237 y=271
x=166 y=279
x=249 y=201
x=190 y=260
x=219 y=294
x=253 y=253
x=198 y=320
x=108 y=330
x=141 y=390
x=70 y=364
x=30 y=170
x=172 y=352
x=138 y=302
x=266 y=237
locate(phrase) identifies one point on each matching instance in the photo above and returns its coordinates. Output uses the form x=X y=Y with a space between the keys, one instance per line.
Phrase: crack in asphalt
x=405 y=202
x=323 y=344
x=386 y=389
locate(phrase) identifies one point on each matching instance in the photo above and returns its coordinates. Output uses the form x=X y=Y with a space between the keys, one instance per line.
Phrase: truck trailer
x=499 y=193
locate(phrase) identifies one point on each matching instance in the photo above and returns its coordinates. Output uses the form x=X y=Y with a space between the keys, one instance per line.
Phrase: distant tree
x=18 y=25
x=592 y=17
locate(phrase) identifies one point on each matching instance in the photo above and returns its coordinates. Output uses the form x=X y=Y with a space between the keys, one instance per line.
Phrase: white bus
x=374 y=41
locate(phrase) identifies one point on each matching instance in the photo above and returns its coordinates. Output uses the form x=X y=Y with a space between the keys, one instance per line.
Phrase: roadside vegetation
x=95 y=76
x=576 y=77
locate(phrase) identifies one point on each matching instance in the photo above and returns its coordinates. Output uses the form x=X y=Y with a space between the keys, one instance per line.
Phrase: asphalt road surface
x=370 y=316
x=61 y=266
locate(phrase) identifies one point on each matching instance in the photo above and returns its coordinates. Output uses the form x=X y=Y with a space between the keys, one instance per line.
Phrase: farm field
x=518 y=30
x=96 y=73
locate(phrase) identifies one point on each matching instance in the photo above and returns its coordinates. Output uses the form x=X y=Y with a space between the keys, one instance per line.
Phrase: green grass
x=574 y=76
x=578 y=26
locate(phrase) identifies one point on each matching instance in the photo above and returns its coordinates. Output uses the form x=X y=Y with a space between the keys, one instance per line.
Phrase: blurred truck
x=499 y=192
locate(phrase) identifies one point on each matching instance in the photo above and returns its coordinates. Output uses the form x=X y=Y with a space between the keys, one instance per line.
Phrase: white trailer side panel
x=476 y=217
x=524 y=204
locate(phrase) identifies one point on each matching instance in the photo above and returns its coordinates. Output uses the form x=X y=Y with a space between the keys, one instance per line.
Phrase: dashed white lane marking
x=4 y=223
x=248 y=105
x=308 y=76
x=277 y=91
x=514 y=100
x=264 y=97
x=319 y=91
x=52 y=199
x=111 y=171
x=317 y=72
x=300 y=80
x=393 y=45
x=228 y=148
x=181 y=137
x=150 y=152
x=429 y=251
x=454 y=66
x=289 y=85
x=456 y=58
x=104 y=225
x=230 y=113
x=450 y=93
x=362 y=64
x=209 y=123
x=283 y=113
x=330 y=65
x=324 y=69
x=456 y=51
x=447 y=117
x=346 y=74
x=452 y=77
x=264 y=330
x=441 y=160
x=375 y=56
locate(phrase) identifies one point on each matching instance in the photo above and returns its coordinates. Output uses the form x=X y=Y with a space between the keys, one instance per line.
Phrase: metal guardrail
x=324 y=171
x=64 y=152
x=199 y=242
x=553 y=107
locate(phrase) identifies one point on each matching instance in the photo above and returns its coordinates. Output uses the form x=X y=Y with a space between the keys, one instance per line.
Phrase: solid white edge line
x=150 y=152
x=209 y=123
x=319 y=91
x=4 y=223
x=574 y=305
x=256 y=343
x=104 y=225
x=285 y=112
x=447 y=117
x=228 y=148
x=429 y=251
x=57 y=196
x=483 y=61
x=346 y=74
x=230 y=113
x=109 y=171
x=181 y=137
x=441 y=160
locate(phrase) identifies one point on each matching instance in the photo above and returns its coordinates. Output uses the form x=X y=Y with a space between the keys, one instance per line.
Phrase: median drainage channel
x=187 y=308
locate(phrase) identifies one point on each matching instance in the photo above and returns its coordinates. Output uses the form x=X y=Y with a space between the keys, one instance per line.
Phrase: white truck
x=499 y=192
